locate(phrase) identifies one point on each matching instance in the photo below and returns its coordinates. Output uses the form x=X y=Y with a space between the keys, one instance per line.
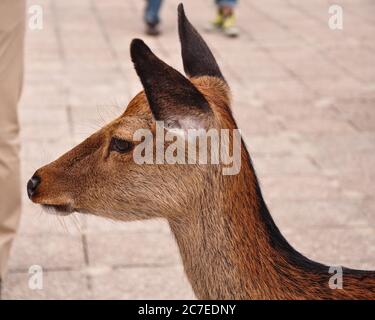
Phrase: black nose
x=32 y=185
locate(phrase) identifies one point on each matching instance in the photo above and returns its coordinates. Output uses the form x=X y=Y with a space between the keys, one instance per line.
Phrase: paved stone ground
x=304 y=96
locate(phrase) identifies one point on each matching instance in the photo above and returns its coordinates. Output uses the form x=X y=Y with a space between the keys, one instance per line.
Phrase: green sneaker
x=216 y=24
x=229 y=26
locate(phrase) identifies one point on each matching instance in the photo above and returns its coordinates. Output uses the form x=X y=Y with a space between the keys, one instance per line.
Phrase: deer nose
x=32 y=185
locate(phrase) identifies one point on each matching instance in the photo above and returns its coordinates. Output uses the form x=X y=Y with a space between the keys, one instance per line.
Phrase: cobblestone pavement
x=304 y=97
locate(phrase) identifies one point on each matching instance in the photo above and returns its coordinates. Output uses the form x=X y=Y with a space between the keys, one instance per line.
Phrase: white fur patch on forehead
x=182 y=127
x=185 y=124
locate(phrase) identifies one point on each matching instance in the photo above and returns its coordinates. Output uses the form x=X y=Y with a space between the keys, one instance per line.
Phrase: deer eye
x=119 y=145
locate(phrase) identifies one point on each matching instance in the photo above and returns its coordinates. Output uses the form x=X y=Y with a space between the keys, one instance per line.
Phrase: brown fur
x=230 y=246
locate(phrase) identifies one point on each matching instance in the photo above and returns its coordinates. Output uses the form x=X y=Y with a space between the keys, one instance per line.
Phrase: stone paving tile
x=283 y=143
x=319 y=213
x=316 y=124
x=358 y=62
x=320 y=108
x=299 y=62
x=368 y=207
x=303 y=187
x=45 y=149
x=289 y=90
x=304 y=99
x=352 y=163
x=284 y=165
x=254 y=121
x=143 y=283
x=360 y=185
x=87 y=119
x=62 y=285
x=101 y=225
x=47 y=94
x=40 y=116
x=98 y=96
x=361 y=117
x=342 y=88
x=132 y=248
x=50 y=131
x=335 y=246
x=35 y=222
x=51 y=251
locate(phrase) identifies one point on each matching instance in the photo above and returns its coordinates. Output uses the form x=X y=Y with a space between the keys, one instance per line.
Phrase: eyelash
x=120 y=145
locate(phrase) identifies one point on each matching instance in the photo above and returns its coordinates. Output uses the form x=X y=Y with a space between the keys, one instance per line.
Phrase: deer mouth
x=59 y=210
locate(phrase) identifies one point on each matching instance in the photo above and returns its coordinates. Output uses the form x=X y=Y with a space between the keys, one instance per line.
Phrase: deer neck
x=230 y=246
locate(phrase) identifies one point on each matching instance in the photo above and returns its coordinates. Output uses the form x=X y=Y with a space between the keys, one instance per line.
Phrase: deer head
x=101 y=177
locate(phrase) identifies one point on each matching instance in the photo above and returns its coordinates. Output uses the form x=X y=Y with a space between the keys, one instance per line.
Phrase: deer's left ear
x=171 y=96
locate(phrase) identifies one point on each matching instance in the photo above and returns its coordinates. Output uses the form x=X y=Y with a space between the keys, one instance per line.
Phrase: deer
x=229 y=244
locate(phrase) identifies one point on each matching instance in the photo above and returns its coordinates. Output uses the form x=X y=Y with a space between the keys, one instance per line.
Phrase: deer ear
x=171 y=96
x=197 y=57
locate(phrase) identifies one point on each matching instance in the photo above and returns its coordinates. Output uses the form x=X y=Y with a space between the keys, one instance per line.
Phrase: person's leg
x=224 y=19
x=227 y=6
x=151 y=17
x=12 y=28
x=217 y=22
x=226 y=9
